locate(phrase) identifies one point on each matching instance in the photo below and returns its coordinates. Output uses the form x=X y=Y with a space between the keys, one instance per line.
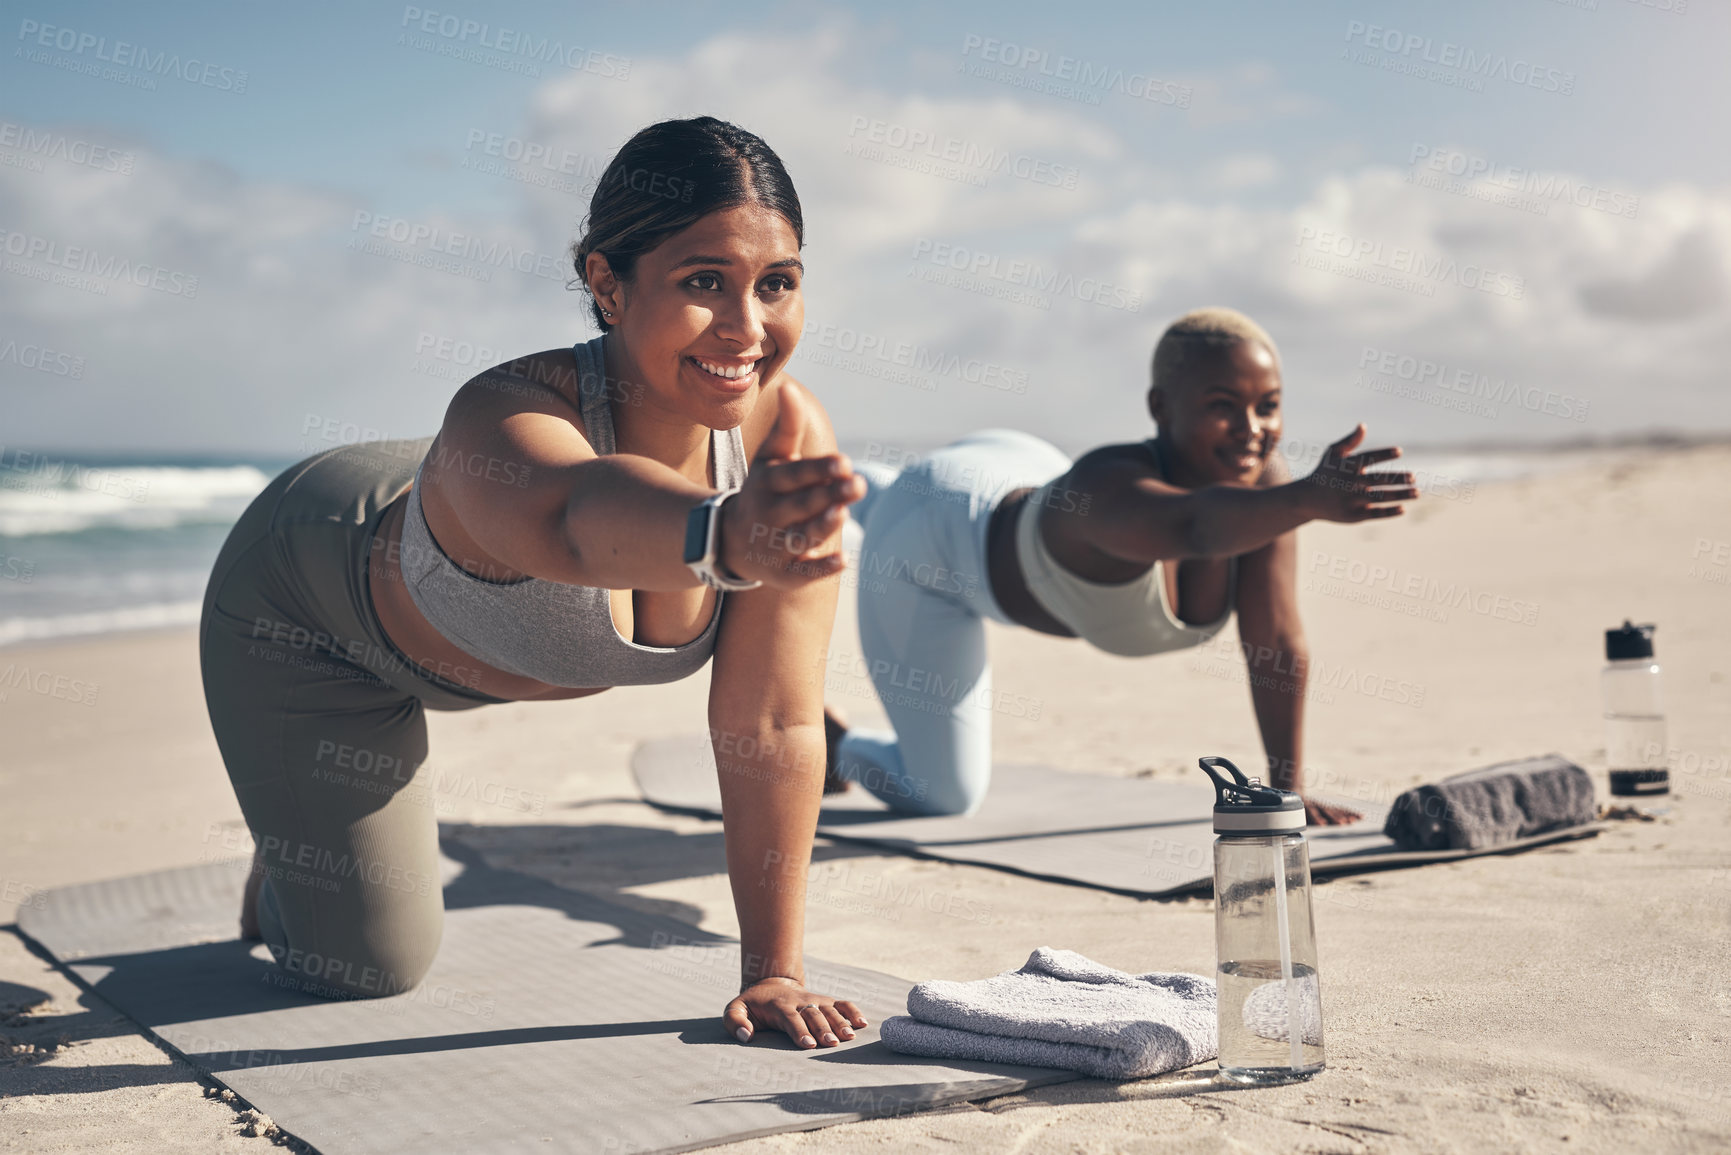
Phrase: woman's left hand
x=810 y=1019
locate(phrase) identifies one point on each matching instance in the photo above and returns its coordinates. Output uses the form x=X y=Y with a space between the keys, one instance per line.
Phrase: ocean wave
x=65 y=497
x=146 y=617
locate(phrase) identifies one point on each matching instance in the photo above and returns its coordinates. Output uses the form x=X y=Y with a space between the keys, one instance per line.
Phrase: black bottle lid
x=1245 y=806
x=1629 y=641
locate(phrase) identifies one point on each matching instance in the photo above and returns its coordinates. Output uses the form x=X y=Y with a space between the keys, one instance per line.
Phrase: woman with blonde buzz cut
x=1138 y=548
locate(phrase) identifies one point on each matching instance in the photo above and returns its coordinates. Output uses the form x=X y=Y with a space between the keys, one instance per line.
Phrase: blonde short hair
x=1202 y=335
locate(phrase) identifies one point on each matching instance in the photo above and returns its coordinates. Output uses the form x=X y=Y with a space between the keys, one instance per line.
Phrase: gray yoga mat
x=551 y=1021
x=1128 y=835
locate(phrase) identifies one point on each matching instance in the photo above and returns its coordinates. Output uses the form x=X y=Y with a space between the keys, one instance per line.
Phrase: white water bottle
x=1634 y=713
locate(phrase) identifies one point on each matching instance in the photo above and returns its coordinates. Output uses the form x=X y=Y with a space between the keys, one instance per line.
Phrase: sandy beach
x=1573 y=998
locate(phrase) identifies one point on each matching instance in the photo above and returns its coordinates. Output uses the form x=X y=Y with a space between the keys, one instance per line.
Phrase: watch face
x=697 y=533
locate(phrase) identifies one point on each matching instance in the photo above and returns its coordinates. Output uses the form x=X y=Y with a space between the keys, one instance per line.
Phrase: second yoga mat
x=1128 y=835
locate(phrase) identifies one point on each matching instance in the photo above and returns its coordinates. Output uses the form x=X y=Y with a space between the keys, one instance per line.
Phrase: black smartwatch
x=702 y=529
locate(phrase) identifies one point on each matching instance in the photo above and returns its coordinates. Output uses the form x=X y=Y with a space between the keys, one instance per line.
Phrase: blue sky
x=1281 y=182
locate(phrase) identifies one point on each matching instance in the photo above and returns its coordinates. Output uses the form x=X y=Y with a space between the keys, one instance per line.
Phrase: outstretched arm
x=1155 y=521
x=530 y=491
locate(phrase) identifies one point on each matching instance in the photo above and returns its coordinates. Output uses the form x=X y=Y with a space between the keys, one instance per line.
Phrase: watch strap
x=708 y=568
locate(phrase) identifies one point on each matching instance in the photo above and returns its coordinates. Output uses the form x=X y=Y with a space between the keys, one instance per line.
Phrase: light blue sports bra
x=556 y=633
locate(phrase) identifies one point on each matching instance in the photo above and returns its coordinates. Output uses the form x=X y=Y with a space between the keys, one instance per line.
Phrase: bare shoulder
x=819 y=436
x=541 y=383
x=1106 y=468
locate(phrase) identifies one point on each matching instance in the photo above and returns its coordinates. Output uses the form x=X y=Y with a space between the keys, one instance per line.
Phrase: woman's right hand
x=1339 y=489
x=809 y=1019
x=784 y=526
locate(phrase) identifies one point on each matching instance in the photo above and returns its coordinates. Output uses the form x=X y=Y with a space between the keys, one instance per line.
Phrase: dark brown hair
x=668 y=177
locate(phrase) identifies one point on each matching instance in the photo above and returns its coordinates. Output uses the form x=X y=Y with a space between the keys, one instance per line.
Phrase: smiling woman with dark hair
x=584 y=518
x=1138 y=548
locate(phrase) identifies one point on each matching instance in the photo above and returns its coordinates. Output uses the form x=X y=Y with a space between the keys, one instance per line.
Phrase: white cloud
x=1245 y=170
x=288 y=322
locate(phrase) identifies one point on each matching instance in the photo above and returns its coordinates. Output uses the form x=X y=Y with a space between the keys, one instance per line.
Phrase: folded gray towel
x=1062 y=1009
x=1496 y=804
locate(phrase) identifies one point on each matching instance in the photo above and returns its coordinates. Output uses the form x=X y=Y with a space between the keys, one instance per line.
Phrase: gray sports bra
x=556 y=633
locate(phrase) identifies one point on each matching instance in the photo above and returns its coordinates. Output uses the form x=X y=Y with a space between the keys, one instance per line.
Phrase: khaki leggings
x=321 y=723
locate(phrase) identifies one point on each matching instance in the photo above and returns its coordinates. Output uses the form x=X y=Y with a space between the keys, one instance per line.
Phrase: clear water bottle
x=1634 y=712
x=1264 y=937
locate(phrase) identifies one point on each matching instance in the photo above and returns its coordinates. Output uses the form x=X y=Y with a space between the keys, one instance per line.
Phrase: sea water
x=1255 y=1043
x=95 y=546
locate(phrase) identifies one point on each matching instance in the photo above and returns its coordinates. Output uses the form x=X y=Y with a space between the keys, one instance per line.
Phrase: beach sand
x=1574 y=998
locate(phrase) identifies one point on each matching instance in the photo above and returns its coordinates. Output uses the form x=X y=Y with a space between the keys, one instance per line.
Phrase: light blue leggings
x=924 y=593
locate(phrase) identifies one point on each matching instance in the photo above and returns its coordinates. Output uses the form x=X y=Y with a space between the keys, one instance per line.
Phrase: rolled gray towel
x=1062 y=1009
x=1496 y=804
